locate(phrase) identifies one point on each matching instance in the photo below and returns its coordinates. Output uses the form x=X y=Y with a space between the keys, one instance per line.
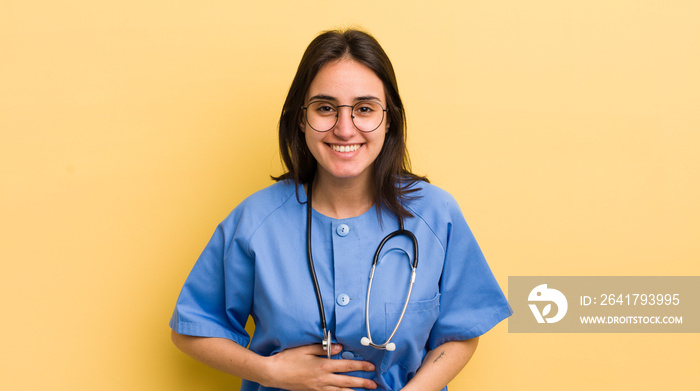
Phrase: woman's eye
x=364 y=108
x=325 y=109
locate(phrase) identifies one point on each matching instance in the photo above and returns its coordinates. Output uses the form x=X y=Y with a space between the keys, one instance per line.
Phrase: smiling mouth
x=345 y=148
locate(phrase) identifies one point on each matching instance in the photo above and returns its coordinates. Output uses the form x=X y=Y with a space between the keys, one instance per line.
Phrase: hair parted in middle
x=392 y=179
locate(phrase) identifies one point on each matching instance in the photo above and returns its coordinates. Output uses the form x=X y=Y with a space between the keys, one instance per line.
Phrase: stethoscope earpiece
x=366 y=342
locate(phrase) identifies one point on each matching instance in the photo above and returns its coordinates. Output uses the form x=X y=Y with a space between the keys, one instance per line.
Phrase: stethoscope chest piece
x=327 y=343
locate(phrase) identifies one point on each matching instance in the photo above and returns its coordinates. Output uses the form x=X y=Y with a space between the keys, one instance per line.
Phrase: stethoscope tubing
x=388 y=345
x=366 y=341
x=309 y=257
x=319 y=299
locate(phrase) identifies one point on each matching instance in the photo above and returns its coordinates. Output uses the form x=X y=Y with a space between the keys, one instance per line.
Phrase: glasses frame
x=337 y=114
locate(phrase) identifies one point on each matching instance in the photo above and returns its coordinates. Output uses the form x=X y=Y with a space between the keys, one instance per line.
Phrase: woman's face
x=344 y=152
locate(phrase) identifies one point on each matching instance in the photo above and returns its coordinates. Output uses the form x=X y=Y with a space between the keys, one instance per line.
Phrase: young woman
x=298 y=255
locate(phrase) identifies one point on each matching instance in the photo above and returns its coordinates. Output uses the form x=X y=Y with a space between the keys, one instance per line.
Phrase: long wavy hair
x=392 y=179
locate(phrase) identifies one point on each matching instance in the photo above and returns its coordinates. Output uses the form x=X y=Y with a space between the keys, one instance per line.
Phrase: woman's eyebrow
x=333 y=99
x=323 y=97
x=368 y=97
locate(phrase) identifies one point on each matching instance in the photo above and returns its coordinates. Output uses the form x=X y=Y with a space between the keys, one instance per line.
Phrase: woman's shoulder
x=439 y=210
x=270 y=197
x=428 y=198
x=430 y=189
x=257 y=207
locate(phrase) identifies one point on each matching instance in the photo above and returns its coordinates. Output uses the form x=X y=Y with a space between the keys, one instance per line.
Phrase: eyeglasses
x=366 y=115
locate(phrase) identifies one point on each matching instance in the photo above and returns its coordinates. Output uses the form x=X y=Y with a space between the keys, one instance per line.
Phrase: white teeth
x=345 y=148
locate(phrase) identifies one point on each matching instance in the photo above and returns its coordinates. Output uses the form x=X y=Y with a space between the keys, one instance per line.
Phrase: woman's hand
x=297 y=369
x=301 y=369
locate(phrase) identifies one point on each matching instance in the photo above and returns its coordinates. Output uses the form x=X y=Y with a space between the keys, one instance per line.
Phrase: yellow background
x=567 y=130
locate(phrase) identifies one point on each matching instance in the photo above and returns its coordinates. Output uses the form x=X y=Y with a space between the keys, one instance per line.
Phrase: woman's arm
x=293 y=369
x=442 y=364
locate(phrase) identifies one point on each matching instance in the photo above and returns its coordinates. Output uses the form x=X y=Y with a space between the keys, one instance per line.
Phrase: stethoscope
x=365 y=341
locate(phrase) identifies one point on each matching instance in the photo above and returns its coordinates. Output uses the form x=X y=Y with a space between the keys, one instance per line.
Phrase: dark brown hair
x=392 y=178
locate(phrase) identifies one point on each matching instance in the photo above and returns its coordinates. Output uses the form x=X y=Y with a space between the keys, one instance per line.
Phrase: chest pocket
x=412 y=336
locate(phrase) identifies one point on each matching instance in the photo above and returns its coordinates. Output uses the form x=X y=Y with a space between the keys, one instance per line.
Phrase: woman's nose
x=344 y=127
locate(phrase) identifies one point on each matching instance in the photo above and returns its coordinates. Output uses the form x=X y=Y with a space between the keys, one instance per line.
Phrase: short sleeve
x=471 y=301
x=216 y=298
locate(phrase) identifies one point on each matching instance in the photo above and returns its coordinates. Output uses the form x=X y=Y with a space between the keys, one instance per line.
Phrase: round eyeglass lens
x=366 y=115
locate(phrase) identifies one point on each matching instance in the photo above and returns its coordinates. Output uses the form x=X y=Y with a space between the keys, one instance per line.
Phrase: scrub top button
x=343 y=230
x=343 y=299
x=347 y=355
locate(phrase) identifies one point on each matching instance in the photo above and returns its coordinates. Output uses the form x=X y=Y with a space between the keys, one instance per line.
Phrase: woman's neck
x=341 y=198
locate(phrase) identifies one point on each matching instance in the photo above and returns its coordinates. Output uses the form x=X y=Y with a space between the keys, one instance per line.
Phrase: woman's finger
x=317 y=349
x=340 y=366
x=351 y=382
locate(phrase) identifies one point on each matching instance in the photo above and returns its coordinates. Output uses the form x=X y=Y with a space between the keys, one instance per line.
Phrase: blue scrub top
x=255 y=264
